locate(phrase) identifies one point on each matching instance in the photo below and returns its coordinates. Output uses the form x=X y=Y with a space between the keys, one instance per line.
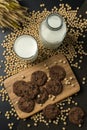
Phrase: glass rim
x=28 y=58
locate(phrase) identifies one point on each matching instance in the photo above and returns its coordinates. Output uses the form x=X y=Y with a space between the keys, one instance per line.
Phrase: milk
x=54 y=21
x=26 y=48
x=52 y=31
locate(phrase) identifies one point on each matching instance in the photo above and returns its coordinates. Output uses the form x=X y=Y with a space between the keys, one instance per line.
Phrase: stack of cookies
x=39 y=88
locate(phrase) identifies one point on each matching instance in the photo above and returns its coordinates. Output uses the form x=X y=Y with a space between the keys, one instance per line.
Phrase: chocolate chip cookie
x=18 y=87
x=25 y=105
x=39 y=77
x=76 y=115
x=57 y=72
x=42 y=96
x=31 y=91
x=51 y=111
x=54 y=87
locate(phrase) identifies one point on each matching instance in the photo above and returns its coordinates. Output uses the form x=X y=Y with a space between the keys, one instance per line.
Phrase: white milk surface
x=25 y=46
x=54 y=21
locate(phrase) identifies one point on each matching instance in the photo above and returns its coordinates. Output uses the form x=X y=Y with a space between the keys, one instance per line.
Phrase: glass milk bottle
x=52 y=31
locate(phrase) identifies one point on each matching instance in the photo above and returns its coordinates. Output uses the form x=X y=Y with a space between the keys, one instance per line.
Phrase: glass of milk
x=26 y=48
x=52 y=31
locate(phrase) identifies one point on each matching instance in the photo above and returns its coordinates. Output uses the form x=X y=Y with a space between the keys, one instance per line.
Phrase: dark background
x=81 y=98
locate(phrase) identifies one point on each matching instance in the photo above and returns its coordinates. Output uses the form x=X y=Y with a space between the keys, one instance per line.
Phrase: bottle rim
x=54 y=28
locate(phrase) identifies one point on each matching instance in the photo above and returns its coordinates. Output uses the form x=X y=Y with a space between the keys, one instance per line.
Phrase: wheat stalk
x=12 y=14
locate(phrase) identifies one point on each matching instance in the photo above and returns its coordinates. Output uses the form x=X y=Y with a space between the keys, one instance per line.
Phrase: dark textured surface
x=81 y=98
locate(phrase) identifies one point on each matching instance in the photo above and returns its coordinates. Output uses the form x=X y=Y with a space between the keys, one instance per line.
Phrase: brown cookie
x=54 y=87
x=57 y=72
x=18 y=87
x=25 y=105
x=51 y=111
x=76 y=115
x=39 y=77
x=31 y=91
x=42 y=96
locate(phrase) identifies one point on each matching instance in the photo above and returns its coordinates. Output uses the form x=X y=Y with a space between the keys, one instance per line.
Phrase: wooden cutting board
x=70 y=83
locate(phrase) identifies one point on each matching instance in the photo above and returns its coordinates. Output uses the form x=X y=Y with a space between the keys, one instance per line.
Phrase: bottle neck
x=54 y=22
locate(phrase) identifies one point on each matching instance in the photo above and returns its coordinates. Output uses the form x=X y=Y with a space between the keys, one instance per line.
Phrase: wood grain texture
x=68 y=90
